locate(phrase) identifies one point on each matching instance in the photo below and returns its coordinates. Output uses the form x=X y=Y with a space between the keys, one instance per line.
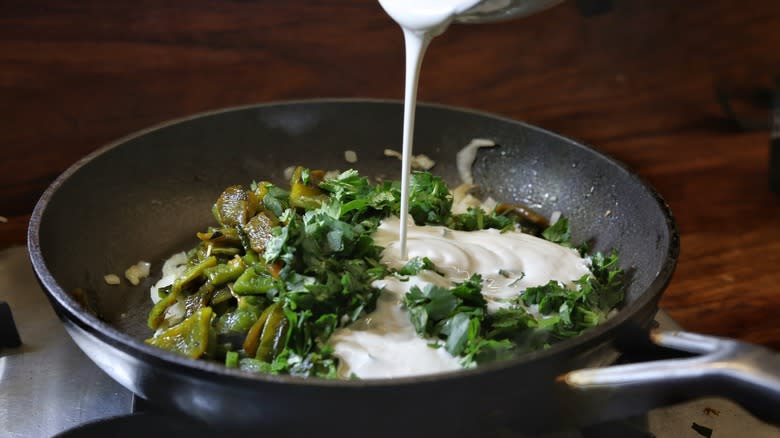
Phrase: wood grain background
x=637 y=82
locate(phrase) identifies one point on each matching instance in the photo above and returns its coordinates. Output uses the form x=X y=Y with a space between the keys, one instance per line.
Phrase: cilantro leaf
x=507 y=322
x=470 y=292
x=458 y=328
x=478 y=219
x=417 y=264
x=429 y=305
x=558 y=232
x=486 y=350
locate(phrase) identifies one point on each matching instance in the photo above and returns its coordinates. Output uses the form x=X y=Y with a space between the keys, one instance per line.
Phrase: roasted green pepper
x=259 y=231
x=189 y=338
x=267 y=336
x=274 y=335
x=220 y=296
x=231 y=359
x=225 y=236
x=239 y=320
x=252 y=340
x=221 y=274
x=303 y=193
x=252 y=283
x=157 y=314
x=199 y=299
x=235 y=206
x=191 y=274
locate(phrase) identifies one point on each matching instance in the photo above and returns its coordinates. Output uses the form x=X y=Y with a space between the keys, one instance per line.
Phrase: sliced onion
x=466 y=156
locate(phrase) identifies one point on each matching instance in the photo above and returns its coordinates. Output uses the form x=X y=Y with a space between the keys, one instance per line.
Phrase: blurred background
x=680 y=91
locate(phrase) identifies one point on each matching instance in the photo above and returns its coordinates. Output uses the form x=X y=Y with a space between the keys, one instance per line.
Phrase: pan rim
x=107 y=333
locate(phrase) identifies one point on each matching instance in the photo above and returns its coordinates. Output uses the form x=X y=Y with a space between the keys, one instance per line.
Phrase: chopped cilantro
x=587 y=304
x=459 y=317
x=478 y=219
x=309 y=270
x=430 y=200
x=448 y=313
x=417 y=264
x=359 y=200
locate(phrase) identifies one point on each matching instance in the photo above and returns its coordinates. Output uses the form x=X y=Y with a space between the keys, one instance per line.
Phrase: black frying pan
x=144 y=197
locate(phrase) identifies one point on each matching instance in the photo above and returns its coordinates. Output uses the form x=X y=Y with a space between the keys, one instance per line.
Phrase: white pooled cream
x=384 y=344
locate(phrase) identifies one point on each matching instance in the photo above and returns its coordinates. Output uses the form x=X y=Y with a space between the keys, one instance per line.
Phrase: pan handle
x=745 y=373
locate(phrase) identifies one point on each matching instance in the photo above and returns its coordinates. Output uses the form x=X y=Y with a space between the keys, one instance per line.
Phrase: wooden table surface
x=636 y=82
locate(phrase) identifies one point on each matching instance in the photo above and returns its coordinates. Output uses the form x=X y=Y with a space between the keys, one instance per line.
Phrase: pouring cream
x=421 y=21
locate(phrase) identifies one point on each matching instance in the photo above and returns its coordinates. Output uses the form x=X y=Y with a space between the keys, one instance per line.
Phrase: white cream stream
x=384 y=343
x=421 y=21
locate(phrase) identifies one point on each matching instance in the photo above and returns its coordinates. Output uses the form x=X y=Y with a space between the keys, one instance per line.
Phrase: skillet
x=144 y=196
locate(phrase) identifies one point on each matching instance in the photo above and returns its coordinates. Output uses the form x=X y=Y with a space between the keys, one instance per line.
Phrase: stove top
x=49 y=387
